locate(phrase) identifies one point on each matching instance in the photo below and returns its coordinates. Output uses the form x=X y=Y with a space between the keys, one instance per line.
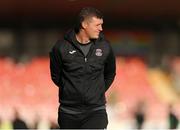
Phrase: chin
x=95 y=37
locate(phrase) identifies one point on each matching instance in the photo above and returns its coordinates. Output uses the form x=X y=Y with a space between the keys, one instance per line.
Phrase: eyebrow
x=100 y=23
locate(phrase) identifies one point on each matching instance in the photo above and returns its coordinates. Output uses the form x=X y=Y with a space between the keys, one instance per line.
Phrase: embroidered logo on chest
x=72 y=52
x=98 y=52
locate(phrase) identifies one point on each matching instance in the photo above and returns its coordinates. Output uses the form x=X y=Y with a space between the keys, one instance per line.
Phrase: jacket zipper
x=85 y=59
x=90 y=51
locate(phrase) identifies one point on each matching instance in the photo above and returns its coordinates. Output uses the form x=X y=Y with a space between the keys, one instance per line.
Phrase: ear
x=84 y=24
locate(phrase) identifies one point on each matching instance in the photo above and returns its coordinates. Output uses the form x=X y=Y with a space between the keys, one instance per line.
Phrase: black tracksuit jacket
x=82 y=80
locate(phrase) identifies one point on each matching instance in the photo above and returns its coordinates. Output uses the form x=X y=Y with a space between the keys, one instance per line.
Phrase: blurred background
x=145 y=37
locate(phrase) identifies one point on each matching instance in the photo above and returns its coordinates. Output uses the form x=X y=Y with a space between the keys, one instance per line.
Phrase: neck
x=82 y=37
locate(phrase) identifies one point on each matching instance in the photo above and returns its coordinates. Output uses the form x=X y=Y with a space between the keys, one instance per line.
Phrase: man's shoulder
x=103 y=39
x=58 y=46
x=60 y=43
x=104 y=43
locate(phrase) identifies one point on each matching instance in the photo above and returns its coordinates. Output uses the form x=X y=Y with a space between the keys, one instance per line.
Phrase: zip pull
x=85 y=59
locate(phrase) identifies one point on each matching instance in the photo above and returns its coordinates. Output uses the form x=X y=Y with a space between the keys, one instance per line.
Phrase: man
x=83 y=67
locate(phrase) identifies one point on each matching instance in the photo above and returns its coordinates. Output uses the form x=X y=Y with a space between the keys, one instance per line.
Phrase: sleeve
x=109 y=69
x=56 y=65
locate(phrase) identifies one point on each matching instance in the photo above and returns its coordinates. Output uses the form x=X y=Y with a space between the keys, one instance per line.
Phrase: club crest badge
x=98 y=52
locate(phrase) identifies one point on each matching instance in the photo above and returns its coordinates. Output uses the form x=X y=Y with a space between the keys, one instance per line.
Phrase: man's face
x=93 y=27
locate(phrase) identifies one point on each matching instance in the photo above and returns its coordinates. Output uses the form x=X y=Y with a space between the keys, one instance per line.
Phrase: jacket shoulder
x=105 y=43
x=59 y=44
x=102 y=39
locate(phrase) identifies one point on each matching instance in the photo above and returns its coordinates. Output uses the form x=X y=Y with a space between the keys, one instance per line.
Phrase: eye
x=99 y=25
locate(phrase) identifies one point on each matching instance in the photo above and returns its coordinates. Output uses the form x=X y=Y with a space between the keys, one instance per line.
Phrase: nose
x=100 y=28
